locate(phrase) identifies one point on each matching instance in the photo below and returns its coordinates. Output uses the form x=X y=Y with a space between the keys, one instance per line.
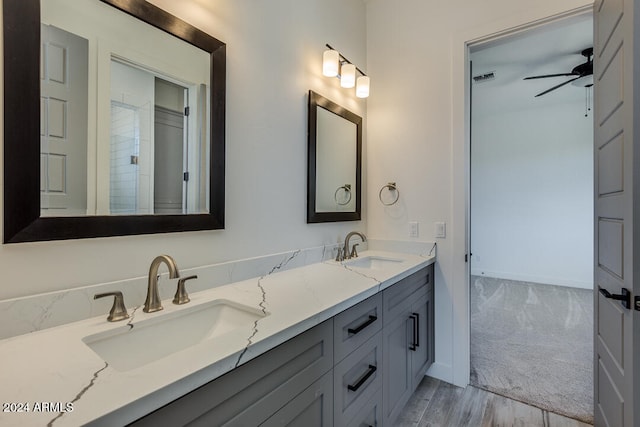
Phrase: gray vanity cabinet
x=292 y=381
x=358 y=368
x=407 y=339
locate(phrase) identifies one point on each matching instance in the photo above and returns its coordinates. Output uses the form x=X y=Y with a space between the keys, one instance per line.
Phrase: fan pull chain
x=587 y=106
x=586 y=101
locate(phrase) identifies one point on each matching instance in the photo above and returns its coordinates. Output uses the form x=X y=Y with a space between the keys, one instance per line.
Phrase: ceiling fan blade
x=556 y=87
x=549 y=75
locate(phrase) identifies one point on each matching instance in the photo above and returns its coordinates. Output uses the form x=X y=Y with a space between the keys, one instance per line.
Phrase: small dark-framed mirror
x=334 y=168
x=23 y=218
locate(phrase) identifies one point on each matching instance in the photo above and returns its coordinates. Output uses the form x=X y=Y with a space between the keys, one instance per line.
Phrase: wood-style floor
x=438 y=404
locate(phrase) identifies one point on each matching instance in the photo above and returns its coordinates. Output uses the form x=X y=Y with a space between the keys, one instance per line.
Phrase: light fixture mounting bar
x=346 y=60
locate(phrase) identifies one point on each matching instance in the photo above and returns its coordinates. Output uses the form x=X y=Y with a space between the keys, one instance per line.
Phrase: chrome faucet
x=346 y=253
x=153 y=302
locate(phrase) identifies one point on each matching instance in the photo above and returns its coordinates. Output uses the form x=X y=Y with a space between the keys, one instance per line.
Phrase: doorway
x=531 y=221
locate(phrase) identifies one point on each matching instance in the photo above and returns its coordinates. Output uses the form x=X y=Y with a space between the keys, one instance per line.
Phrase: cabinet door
x=421 y=350
x=311 y=408
x=396 y=362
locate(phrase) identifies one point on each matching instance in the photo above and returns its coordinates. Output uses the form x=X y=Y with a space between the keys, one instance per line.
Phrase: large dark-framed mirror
x=334 y=169
x=23 y=217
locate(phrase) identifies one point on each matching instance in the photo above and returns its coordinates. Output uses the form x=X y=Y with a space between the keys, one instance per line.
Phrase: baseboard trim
x=531 y=278
x=442 y=372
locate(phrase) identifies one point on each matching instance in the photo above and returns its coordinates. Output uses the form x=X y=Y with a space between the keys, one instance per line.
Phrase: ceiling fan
x=579 y=72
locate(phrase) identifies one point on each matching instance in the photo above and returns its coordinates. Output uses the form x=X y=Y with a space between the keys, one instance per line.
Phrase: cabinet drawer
x=357 y=379
x=370 y=415
x=356 y=325
x=311 y=408
x=251 y=393
x=393 y=298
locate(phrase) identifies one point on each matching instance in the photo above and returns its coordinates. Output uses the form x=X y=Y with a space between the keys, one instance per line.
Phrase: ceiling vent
x=485 y=77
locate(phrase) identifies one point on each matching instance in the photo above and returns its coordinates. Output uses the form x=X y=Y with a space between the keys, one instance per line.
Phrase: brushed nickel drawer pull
x=364 y=325
x=362 y=379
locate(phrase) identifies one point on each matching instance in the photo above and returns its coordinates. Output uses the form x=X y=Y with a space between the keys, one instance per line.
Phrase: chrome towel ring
x=347 y=190
x=392 y=188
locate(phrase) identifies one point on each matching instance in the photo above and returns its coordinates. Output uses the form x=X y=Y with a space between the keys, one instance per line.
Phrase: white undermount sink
x=373 y=262
x=130 y=347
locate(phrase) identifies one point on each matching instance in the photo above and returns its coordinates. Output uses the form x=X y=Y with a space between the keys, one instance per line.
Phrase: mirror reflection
x=123 y=115
x=334 y=162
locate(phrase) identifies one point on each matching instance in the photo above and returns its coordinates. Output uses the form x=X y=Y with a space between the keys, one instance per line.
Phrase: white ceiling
x=550 y=49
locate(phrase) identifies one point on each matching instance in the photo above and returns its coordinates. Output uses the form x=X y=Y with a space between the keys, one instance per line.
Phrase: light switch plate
x=413 y=229
x=440 y=230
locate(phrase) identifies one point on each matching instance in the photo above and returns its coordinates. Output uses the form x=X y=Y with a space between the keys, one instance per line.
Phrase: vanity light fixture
x=336 y=65
x=330 y=63
x=348 y=76
x=362 y=86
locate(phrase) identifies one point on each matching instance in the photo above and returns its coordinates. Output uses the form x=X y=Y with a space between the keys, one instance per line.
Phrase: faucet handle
x=118 y=310
x=339 y=256
x=181 y=296
x=354 y=252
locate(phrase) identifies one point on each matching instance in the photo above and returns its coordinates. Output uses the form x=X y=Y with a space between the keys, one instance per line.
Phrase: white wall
x=416 y=113
x=274 y=53
x=532 y=194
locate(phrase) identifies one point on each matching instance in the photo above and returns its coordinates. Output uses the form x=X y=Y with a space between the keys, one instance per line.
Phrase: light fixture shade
x=330 y=63
x=362 y=86
x=348 y=75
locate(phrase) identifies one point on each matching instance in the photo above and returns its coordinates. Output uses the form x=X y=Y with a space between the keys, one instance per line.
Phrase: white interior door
x=63 y=123
x=617 y=163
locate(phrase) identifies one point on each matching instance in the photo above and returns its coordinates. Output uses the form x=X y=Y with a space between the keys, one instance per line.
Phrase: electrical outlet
x=413 y=229
x=440 y=230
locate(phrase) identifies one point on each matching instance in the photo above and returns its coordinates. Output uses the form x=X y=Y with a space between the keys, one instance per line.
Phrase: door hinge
x=186 y=111
x=466 y=257
x=185 y=176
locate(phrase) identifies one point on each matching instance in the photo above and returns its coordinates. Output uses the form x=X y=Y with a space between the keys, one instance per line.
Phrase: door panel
x=616 y=398
x=611 y=330
x=168 y=161
x=610 y=401
x=611 y=157
x=610 y=246
x=63 y=123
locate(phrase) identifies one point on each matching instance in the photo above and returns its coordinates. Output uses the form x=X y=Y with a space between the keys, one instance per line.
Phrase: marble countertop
x=62 y=382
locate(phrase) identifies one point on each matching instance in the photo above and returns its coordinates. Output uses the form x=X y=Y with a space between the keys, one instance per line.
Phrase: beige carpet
x=534 y=343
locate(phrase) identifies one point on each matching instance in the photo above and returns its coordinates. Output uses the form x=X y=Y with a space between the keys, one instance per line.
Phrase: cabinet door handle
x=417 y=339
x=413 y=346
x=362 y=379
x=367 y=322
